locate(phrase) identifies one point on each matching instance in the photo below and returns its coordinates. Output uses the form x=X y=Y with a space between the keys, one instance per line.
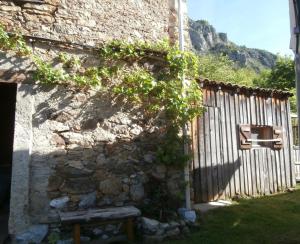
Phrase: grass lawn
x=272 y=219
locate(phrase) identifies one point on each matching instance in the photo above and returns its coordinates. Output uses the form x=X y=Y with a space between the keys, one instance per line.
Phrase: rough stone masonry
x=78 y=149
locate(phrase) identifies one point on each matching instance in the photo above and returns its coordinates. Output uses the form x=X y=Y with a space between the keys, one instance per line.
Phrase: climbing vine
x=155 y=87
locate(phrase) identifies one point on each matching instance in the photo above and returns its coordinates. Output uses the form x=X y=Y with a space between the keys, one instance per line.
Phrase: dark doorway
x=7 y=121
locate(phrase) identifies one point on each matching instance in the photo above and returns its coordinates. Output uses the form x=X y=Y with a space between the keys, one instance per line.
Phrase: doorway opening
x=7 y=121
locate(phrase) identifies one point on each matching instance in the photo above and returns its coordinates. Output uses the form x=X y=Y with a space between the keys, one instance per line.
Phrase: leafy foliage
x=221 y=68
x=156 y=91
x=13 y=42
x=281 y=76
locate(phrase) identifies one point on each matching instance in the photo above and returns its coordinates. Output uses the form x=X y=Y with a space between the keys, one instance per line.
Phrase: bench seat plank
x=105 y=214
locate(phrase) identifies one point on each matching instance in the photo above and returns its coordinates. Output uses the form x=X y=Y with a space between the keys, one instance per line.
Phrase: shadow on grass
x=271 y=219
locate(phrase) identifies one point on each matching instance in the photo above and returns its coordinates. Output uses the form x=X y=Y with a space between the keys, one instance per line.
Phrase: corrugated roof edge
x=219 y=85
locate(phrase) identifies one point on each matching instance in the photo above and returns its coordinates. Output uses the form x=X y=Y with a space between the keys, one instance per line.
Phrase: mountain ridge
x=206 y=40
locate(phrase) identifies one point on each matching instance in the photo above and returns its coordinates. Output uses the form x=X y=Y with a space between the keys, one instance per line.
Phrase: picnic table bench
x=107 y=215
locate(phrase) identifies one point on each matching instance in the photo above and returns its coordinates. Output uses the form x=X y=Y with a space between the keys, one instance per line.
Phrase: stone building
x=69 y=148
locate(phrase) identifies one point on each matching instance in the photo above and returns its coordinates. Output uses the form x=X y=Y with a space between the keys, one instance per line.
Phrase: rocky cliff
x=205 y=40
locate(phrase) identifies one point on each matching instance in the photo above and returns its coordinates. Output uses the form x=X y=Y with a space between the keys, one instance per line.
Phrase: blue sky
x=260 y=24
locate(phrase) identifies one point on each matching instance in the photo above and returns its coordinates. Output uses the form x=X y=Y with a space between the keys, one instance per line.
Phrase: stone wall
x=89 y=150
x=93 y=22
x=89 y=22
x=82 y=149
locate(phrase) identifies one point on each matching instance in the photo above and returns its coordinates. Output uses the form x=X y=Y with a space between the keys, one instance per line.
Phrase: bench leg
x=129 y=229
x=77 y=233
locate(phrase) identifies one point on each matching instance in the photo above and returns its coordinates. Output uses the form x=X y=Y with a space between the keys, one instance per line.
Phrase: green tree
x=281 y=76
x=221 y=68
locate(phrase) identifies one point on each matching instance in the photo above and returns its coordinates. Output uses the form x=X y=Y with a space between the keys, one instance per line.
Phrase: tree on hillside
x=281 y=76
x=221 y=68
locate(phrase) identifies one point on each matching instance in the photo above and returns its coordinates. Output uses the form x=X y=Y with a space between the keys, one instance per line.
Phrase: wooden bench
x=107 y=215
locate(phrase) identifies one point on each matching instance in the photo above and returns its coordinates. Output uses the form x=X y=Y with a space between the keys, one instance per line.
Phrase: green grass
x=272 y=219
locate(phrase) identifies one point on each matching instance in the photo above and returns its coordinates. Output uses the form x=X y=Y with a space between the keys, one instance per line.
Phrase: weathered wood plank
x=207 y=147
x=226 y=177
x=268 y=121
x=240 y=105
x=270 y=171
x=230 y=162
x=266 y=149
x=265 y=177
x=292 y=166
x=258 y=167
x=202 y=157
x=99 y=214
x=213 y=117
x=208 y=155
x=286 y=146
x=236 y=160
x=212 y=120
x=196 y=165
x=277 y=153
x=273 y=152
x=220 y=159
x=252 y=110
x=281 y=153
x=247 y=152
x=253 y=171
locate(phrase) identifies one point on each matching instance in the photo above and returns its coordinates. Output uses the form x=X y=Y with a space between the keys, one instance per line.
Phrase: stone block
x=88 y=201
x=59 y=203
x=137 y=192
x=78 y=185
x=34 y=234
x=111 y=186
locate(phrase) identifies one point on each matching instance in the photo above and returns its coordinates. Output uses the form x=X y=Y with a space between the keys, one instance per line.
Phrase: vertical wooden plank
x=240 y=105
x=254 y=173
x=259 y=169
x=262 y=111
x=213 y=131
x=292 y=160
x=265 y=156
x=282 y=163
x=277 y=153
x=268 y=119
x=252 y=157
x=230 y=163
x=286 y=155
x=202 y=153
x=252 y=110
x=213 y=149
x=234 y=117
x=257 y=110
x=224 y=146
x=219 y=135
x=202 y=159
x=270 y=171
x=272 y=121
x=264 y=174
x=258 y=164
x=208 y=158
x=196 y=166
x=248 y=152
x=238 y=168
x=208 y=138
